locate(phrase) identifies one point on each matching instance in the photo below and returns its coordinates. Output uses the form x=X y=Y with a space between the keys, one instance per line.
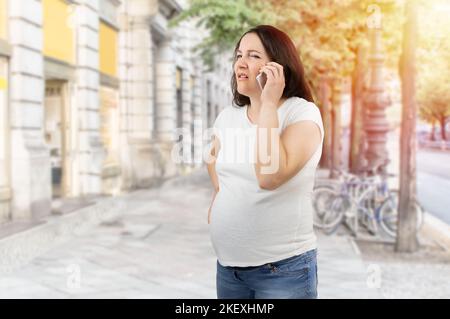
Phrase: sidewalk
x=154 y=244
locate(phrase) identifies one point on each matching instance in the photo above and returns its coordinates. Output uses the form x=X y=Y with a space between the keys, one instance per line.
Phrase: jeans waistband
x=278 y=261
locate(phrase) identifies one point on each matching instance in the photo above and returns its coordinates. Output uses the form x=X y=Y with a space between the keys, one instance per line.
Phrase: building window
x=208 y=103
x=179 y=88
x=54 y=133
x=3 y=20
x=216 y=99
x=59 y=33
x=109 y=122
x=192 y=87
x=155 y=91
x=107 y=49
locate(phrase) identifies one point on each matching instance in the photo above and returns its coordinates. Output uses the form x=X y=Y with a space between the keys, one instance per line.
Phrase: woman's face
x=250 y=57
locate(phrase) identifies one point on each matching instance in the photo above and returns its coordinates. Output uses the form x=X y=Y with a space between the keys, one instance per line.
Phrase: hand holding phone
x=261 y=79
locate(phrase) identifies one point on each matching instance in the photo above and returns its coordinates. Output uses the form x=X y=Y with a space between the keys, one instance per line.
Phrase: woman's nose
x=242 y=62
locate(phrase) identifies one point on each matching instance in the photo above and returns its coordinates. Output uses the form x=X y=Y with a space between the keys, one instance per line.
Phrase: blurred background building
x=91 y=93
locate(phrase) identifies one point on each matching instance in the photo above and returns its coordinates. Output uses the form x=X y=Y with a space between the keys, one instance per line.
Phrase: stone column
x=91 y=149
x=30 y=157
x=125 y=67
x=165 y=92
x=140 y=154
x=166 y=104
x=376 y=125
x=199 y=123
x=187 y=117
x=5 y=162
x=356 y=154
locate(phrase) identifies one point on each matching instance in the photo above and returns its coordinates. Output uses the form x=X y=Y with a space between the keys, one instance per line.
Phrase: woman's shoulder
x=300 y=103
x=230 y=109
x=227 y=114
x=299 y=109
x=232 y=112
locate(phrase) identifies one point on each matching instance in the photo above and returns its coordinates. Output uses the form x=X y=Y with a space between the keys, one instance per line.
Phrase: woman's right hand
x=209 y=215
x=210 y=206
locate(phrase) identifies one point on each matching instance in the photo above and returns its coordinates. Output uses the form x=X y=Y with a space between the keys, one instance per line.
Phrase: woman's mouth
x=242 y=76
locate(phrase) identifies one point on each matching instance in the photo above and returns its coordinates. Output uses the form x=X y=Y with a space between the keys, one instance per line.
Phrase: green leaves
x=327 y=34
x=225 y=21
x=433 y=63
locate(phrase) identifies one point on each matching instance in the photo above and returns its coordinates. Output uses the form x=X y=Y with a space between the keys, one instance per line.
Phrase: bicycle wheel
x=389 y=214
x=334 y=217
x=323 y=197
x=367 y=205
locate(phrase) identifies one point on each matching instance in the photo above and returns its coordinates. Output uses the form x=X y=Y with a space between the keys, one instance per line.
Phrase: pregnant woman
x=264 y=155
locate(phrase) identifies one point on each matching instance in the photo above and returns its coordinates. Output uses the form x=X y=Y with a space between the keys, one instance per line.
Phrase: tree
x=434 y=67
x=407 y=216
x=225 y=22
x=434 y=99
x=329 y=34
x=426 y=115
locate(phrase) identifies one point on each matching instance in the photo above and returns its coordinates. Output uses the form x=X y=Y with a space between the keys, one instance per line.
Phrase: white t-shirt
x=251 y=226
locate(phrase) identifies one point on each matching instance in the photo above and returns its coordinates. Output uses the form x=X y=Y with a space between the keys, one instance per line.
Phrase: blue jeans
x=291 y=278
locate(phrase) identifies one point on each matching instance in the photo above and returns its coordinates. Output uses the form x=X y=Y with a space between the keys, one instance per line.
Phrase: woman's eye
x=253 y=56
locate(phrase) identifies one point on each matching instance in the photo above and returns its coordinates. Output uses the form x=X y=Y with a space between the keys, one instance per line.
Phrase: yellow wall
x=3 y=17
x=58 y=30
x=108 y=49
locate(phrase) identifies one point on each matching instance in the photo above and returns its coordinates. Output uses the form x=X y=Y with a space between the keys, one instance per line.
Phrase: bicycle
x=364 y=200
x=323 y=197
x=389 y=215
x=356 y=207
x=384 y=216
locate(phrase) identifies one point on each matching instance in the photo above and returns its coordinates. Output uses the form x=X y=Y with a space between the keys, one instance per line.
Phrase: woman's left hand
x=273 y=89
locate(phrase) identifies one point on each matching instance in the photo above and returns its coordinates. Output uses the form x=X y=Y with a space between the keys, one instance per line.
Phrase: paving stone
x=160 y=248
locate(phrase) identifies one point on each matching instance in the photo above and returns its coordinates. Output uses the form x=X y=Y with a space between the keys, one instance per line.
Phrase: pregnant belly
x=245 y=224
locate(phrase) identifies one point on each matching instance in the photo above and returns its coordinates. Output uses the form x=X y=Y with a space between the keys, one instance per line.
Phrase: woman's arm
x=211 y=166
x=288 y=153
x=279 y=158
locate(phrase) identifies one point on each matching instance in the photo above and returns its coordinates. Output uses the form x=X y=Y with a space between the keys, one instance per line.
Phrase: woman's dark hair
x=282 y=50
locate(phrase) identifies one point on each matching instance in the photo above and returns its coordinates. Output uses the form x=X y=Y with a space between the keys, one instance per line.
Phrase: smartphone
x=261 y=79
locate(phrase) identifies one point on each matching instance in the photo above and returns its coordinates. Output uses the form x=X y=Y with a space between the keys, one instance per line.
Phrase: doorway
x=56 y=126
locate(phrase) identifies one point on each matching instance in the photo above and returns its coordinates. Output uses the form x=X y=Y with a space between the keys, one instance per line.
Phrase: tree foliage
x=329 y=32
x=225 y=21
x=433 y=65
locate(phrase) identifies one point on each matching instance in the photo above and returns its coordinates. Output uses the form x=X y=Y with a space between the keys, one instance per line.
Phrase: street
x=433 y=174
x=433 y=182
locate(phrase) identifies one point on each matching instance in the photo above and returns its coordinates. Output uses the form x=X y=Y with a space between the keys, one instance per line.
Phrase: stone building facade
x=94 y=94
